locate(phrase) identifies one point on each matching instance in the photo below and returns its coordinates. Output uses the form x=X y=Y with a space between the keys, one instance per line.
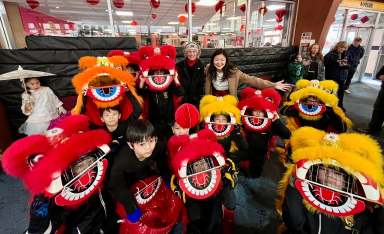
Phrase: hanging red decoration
x=193 y=7
x=243 y=7
x=280 y=13
x=133 y=23
x=263 y=10
x=93 y=2
x=118 y=3
x=279 y=19
x=154 y=15
x=182 y=19
x=364 y=19
x=219 y=6
x=354 y=16
x=155 y=3
x=242 y=28
x=279 y=27
x=33 y=4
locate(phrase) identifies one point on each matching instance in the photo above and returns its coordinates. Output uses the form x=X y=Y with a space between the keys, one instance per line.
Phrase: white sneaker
x=347 y=91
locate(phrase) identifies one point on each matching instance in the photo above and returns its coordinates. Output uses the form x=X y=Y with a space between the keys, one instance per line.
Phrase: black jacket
x=192 y=81
x=380 y=73
x=333 y=69
x=354 y=55
x=299 y=220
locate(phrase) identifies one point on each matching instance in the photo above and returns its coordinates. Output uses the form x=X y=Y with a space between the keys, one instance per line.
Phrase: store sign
x=365 y=5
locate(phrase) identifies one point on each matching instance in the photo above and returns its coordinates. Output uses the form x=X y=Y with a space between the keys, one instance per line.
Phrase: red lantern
x=154 y=15
x=243 y=8
x=118 y=3
x=280 y=13
x=263 y=10
x=279 y=27
x=279 y=19
x=155 y=3
x=182 y=19
x=364 y=19
x=354 y=16
x=93 y=2
x=193 y=7
x=219 y=6
x=133 y=23
x=33 y=4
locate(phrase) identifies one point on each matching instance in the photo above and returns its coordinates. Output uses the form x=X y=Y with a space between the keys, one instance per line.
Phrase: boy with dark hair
x=111 y=118
x=143 y=156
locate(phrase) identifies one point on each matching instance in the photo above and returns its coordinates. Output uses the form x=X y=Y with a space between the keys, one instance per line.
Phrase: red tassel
x=279 y=19
x=280 y=13
x=243 y=8
x=279 y=27
x=33 y=4
x=154 y=15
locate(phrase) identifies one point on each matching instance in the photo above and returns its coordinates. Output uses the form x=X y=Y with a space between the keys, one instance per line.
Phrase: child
x=41 y=105
x=177 y=130
x=111 y=118
x=143 y=157
x=333 y=185
x=261 y=123
x=296 y=69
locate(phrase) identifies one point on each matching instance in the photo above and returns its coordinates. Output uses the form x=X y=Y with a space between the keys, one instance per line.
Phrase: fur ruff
x=157 y=62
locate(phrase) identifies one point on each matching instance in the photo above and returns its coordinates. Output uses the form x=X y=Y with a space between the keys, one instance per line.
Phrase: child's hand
x=28 y=107
x=282 y=86
x=135 y=216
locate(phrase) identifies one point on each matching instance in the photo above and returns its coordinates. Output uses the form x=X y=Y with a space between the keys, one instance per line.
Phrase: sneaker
x=347 y=91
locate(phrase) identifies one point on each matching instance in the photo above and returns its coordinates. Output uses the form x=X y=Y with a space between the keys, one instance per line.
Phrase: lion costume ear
x=362 y=145
x=207 y=99
x=119 y=61
x=247 y=93
x=300 y=138
x=145 y=52
x=330 y=86
x=169 y=51
x=273 y=95
x=229 y=99
x=300 y=84
x=87 y=62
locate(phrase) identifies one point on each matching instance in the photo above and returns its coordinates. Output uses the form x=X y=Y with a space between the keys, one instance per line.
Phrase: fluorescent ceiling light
x=173 y=23
x=234 y=18
x=124 y=13
x=126 y=21
x=57 y=7
x=275 y=7
x=206 y=3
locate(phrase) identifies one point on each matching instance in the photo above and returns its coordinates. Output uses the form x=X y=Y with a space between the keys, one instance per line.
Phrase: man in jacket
x=355 y=52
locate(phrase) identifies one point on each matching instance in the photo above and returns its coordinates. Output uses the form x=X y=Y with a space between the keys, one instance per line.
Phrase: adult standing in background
x=355 y=52
x=376 y=124
x=314 y=62
x=223 y=78
x=191 y=74
x=336 y=68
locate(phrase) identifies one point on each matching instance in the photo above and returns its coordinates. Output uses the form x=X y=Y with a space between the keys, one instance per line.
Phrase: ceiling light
x=57 y=7
x=275 y=7
x=234 y=18
x=173 y=23
x=124 y=13
x=206 y=2
x=126 y=21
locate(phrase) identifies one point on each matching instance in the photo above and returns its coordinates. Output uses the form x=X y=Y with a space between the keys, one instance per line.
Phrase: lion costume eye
x=107 y=93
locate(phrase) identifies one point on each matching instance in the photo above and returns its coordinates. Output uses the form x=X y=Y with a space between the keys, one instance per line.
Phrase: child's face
x=33 y=84
x=258 y=113
x=200 y=166
x=299 y=58
x=178 y=130
x=331 y=178
x=110 y=117
x=143 y=149
x=220 y=119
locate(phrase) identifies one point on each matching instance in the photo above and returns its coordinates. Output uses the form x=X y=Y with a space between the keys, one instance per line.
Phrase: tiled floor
x=255 y=197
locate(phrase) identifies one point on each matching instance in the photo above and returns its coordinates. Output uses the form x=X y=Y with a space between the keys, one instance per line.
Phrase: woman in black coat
x=336 y=68
x=191 y=74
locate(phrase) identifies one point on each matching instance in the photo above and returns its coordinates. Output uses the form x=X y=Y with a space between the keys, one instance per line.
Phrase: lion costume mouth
x=311 y=110
x=159 y=81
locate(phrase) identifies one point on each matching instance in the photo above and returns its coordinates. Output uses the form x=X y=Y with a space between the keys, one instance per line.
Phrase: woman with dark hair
x=223 y=78
x=314 y=62
x=191 y=74
x=336 y=67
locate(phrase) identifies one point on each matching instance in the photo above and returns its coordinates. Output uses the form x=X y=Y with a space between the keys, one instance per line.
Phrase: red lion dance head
x=104 y=82
x=66 y=163
x=158 y=66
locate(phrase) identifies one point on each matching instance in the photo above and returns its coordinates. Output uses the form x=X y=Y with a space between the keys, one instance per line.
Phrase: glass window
x=334 y=33
x=269 y=23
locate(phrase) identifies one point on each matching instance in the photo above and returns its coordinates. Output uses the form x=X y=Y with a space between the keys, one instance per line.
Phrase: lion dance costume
x=315 y=104
x=203 y=177
x=334 y=185
x=64 y=170
x=104 y=82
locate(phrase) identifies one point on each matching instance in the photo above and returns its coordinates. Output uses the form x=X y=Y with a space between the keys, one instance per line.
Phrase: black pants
x=351 y=72
x=340 y=92
x=377 y=118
